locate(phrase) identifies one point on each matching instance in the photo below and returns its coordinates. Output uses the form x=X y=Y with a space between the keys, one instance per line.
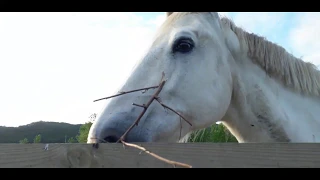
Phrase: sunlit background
x=53 y=65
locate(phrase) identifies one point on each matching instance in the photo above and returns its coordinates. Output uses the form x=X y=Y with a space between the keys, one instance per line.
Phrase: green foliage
x=24 y=141
x=82 y=137
x=72 y=140
x=216 y=133
x=83 y=132
x=52 y=132
x=37 y=139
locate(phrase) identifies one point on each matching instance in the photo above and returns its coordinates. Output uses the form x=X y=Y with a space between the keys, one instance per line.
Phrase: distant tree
x=72 y=140
x=37 y=139
x=24 y=141
x=84 y=129
x=83 y=132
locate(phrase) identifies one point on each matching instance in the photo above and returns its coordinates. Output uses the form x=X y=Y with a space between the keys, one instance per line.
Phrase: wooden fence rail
x=199 y=155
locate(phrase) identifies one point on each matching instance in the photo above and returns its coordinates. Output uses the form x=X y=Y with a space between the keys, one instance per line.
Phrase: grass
x=216 y=133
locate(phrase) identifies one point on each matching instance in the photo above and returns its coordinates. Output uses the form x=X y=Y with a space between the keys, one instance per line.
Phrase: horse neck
x=263 y=110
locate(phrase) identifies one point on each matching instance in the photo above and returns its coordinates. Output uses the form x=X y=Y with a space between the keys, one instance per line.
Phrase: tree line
x=80 y=138
x=214 y=133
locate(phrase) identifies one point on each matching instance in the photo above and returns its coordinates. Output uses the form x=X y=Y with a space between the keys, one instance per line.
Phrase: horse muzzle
x=110 y=130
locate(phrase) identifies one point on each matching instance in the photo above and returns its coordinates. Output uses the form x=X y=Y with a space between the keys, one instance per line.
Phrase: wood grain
x=199 y=155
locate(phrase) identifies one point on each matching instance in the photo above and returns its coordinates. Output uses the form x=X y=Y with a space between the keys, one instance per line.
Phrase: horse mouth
x=111 y=139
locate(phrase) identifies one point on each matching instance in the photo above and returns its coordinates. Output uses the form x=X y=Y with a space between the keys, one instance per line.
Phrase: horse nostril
x=111 y=139
x=110 y=135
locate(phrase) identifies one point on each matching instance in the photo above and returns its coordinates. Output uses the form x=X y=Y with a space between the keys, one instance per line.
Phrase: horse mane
x=293 y=72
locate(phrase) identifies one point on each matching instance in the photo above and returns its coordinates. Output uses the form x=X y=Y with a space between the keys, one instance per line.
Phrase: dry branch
x=126 y=92
x=174 y=163
x=155 y=96
x=167 y=107
x=143 y=105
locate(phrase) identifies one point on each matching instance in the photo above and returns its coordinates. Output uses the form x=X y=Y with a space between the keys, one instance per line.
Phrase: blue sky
x=53 y=65
x=273 y=26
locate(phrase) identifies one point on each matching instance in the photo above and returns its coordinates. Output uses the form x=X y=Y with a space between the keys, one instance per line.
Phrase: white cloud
x=305 y=37
x=158 y=20
x=53 y=65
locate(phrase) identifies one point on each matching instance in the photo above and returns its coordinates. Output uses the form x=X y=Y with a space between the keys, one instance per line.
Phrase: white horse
x=216 y=71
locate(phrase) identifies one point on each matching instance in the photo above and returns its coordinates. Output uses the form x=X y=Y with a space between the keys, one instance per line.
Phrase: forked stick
x=174 y=163
x=145 y=107
x=167 y=107
x=126 y=92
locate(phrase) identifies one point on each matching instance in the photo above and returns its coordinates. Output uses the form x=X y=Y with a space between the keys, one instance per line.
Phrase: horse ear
x=169 y=13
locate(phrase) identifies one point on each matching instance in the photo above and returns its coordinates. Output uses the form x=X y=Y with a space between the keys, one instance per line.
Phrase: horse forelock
x=293 y=72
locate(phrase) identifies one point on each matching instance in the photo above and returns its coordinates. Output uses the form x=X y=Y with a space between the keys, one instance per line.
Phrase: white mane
x=293 y=72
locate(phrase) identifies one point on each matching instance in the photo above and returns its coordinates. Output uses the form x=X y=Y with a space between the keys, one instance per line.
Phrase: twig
x=180 y=128
x=126 y=92
x=162 y=82
x=174 y=163
x=167 y=107
x=145 y=107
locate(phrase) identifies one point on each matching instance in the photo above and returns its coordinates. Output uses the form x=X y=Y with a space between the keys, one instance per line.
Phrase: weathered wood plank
x=199 y=155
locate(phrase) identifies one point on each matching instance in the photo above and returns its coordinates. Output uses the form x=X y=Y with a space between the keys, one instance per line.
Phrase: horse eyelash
x=178 y=40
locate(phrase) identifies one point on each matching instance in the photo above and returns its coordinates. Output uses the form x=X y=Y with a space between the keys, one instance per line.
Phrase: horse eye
x=183 y=45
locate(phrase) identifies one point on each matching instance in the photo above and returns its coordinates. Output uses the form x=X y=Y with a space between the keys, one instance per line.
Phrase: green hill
x=54 y=132
x=51 y=132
